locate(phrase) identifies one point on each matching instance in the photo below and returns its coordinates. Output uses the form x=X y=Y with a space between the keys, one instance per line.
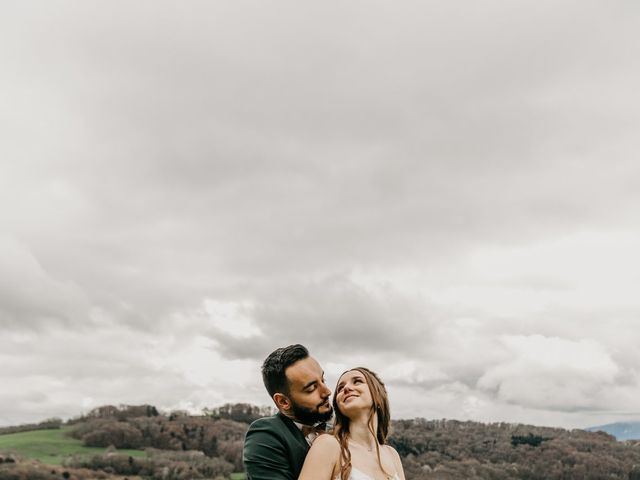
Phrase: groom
x=275 y=447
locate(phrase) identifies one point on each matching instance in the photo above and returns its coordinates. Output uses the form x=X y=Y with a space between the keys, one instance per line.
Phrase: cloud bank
x=445 y=193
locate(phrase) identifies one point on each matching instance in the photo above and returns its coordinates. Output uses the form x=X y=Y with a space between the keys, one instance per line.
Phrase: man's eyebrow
x=312 y=382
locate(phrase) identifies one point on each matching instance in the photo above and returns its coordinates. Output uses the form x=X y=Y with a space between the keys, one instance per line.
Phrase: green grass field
x=51 y=446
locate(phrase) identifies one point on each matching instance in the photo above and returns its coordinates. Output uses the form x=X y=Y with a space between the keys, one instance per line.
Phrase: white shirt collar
x=311 y=436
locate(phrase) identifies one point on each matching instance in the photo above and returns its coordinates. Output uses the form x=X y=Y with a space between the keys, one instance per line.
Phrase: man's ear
x=282 y=401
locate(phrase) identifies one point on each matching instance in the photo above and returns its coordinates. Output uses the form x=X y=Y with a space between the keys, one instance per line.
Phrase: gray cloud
x=29 y=294
x=401 y=186
x=336 y=315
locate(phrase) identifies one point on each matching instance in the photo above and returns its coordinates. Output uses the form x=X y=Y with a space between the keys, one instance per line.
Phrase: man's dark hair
x=274 y=366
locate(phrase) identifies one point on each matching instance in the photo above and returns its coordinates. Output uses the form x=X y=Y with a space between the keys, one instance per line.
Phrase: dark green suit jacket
x=274 y=449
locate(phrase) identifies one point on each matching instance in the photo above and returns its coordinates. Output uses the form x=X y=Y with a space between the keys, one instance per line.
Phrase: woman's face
x=352 y=393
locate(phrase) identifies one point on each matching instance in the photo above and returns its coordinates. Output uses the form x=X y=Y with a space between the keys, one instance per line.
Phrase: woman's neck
x=359 y=431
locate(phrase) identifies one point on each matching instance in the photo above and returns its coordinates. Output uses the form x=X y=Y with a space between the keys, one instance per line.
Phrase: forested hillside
x=449 y=449
x=183 y=446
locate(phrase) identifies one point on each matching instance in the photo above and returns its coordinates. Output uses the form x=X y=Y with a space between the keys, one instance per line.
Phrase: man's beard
x=307 y=416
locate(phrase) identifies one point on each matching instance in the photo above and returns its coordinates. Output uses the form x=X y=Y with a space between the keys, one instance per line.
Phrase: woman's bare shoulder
x=396 y=460
x=321 y=459
x=326 y=443
x=392 y=451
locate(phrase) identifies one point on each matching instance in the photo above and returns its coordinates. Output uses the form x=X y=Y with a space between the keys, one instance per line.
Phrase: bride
x=357 y=449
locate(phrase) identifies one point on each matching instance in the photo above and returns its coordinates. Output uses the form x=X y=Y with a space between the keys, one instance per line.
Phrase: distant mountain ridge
x=620 y=430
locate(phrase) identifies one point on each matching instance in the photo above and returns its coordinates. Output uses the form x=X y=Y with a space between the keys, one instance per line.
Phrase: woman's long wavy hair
x=379 y=408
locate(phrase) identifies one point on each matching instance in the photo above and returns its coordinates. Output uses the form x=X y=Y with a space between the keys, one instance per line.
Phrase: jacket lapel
x=295 y=431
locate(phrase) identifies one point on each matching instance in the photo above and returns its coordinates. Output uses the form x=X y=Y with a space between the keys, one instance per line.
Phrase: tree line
x=213 y=437
x=452 y=450
x=49 y=424
x=180 y=445
x=430 y=449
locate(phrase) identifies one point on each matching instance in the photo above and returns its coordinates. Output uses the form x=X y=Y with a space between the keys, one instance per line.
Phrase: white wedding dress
x=358 y=475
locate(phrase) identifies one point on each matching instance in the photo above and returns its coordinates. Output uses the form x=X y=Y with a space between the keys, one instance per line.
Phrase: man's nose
x=326 y=390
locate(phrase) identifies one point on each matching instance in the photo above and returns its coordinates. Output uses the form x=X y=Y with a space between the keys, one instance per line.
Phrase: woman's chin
x=353 y=409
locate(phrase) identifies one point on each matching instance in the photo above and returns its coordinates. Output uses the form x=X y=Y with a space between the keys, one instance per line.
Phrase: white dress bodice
x=358 y=475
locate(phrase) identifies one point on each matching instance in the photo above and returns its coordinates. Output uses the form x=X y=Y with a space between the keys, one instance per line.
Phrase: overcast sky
x=445 y=192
